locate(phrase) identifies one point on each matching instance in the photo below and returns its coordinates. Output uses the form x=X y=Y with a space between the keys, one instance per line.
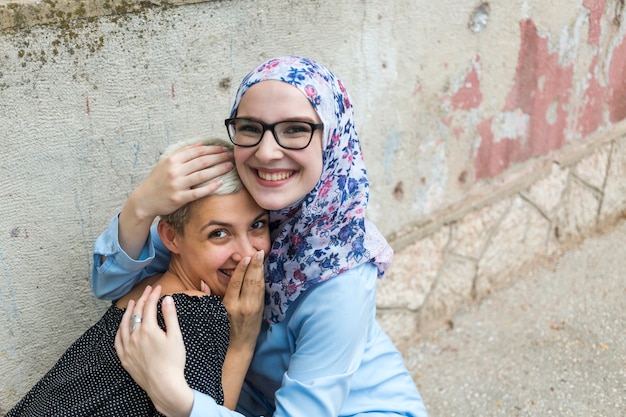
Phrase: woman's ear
x=169 y=237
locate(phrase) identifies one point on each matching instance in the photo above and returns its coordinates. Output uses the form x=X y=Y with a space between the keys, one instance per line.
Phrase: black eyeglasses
x=290 y=134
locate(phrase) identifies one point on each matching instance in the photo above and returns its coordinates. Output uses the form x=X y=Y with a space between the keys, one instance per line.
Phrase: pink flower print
x=326 y=187
x=290 y=290
x=269 y=66
x=341 y=87
x=296 y=240
x=310 y=91
x=299 y=276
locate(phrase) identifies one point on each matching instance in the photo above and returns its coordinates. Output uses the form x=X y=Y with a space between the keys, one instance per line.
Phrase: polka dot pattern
x=89 y=380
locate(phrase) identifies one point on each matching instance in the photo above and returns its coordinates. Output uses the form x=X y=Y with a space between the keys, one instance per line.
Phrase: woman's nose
x=268 y=149
x=244 y=248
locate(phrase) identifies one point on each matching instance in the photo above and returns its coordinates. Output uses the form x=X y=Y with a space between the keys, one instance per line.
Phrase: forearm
x=134 y=225
x=244 y=300
x=233 y=374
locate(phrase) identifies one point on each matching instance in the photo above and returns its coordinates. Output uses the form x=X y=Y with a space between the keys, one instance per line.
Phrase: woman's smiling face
x=222 y=230
x=277 y=177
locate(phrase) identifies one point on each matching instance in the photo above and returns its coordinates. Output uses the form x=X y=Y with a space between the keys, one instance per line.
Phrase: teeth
x=274 y=176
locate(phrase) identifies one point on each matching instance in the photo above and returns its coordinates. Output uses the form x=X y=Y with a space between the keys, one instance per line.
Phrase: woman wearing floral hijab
x=320 y=351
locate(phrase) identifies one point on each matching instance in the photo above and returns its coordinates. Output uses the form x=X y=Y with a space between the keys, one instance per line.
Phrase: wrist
x=243 y=351
x=176 y=402
x=135 y=212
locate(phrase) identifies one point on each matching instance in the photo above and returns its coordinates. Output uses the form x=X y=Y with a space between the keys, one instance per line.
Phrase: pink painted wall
x=544 y=90
x=546 y=104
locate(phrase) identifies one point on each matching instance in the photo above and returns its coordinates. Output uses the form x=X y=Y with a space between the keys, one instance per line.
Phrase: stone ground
x=553 y=344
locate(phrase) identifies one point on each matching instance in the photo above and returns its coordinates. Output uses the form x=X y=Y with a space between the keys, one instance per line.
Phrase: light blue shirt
x=328 y=357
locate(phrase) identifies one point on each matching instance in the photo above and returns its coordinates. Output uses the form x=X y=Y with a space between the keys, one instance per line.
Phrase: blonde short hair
x=231 y=183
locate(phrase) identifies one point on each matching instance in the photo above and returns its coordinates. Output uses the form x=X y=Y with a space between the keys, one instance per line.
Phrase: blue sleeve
x=330 y=340
x=205 y=406
x=118 y=274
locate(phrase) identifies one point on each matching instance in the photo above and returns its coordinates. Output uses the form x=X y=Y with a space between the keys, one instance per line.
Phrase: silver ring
x=135 y=319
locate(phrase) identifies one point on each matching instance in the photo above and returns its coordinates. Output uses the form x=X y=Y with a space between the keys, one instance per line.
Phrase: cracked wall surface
x=493 y=133
x=488 y=248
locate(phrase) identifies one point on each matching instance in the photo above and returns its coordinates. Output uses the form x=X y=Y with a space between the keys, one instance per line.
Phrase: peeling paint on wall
x=469 y=95
x=596 y=10
x=534 y=120
x=540 y=83
x=429 y=190
x=593 y=100
x=617 y=83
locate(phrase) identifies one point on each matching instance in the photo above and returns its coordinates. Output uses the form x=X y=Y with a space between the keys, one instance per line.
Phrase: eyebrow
x=224 y=224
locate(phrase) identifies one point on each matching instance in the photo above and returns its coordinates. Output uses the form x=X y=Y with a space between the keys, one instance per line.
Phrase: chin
x=272 y=204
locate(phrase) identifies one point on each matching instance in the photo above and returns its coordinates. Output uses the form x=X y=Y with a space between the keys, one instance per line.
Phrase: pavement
x=553 y=344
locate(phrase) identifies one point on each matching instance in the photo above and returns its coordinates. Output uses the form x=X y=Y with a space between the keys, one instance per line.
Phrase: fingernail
x=260 y=254
x=168 y=300
x=202 y=285
x=246 y=260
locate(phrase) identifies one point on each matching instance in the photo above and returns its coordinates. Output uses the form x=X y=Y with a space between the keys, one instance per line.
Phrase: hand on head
x=169 y=185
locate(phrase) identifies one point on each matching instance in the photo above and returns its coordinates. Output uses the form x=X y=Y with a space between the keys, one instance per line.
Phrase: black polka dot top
x=88 y=380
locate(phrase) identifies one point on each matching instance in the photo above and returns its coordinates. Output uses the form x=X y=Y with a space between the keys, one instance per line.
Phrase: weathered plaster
x=21 y=14
x=480 y=144
x=541 y=90
x=617 y=82
x=596 y=10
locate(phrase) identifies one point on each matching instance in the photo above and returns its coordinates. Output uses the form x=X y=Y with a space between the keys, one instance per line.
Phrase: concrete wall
x=493 y=135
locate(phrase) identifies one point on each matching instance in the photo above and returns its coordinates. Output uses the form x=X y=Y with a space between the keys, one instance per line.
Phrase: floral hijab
x=326 y=232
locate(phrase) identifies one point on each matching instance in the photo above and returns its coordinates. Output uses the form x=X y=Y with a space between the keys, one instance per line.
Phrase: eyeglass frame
x=270 y=127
